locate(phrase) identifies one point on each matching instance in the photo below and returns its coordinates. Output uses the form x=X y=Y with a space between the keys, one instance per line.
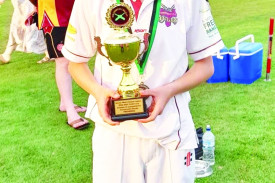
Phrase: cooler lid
x=247 y=48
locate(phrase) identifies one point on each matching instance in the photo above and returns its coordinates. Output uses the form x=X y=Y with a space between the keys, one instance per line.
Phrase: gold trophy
x=123 y=49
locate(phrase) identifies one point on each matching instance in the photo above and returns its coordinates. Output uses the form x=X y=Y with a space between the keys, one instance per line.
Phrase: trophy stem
x=127 y=87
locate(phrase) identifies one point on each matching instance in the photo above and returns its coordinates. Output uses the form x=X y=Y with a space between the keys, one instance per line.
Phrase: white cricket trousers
x=118 y=158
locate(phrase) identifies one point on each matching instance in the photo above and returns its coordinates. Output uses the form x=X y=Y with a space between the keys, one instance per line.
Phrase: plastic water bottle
x=208 y=142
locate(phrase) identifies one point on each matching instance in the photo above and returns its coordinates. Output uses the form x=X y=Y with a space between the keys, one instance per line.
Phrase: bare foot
x=4 y=60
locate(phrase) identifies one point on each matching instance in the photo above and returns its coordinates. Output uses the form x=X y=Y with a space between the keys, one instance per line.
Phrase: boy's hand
x=160 y=97
x=103 y=96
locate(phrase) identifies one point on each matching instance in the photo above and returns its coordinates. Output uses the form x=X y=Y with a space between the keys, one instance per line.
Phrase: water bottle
x=208 y=142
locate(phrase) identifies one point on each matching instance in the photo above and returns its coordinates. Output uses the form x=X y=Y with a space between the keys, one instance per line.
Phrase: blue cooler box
x=221 y=67
x=245 y=61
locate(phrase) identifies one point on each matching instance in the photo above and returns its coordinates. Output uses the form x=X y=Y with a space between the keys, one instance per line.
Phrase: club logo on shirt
x=168 y=15
x=120 y=16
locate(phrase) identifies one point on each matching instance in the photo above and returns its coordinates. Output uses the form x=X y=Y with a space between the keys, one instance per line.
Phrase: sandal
x=80 y=120
x=44 y=60
x=77 y=108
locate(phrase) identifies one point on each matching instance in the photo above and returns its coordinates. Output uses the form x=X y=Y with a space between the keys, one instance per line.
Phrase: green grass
x=242 y=116
x=37 y=146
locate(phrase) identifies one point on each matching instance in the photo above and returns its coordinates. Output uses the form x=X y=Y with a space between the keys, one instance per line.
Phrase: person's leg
x=5 y=57
x=64 y=84
x=116 y=157
x=119 y=158
x=63 y=77
x=171 y=166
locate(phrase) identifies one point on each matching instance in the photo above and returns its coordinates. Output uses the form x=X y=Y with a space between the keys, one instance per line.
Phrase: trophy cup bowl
x=122 y=53
x=123 y=49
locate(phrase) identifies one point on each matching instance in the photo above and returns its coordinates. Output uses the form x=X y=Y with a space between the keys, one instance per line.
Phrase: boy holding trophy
x=139 y=88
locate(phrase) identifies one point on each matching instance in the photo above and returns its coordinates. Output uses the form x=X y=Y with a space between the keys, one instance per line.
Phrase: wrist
x=172 y=89
x=96 y=90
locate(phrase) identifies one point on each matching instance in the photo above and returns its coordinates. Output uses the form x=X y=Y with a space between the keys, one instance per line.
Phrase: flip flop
x=77 y=108
x=81 y=127
x=45 y=59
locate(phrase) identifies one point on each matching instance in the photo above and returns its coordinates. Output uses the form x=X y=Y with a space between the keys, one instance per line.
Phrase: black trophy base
x=128 y=109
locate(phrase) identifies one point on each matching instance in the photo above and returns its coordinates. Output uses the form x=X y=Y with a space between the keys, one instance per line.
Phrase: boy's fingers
x=147 y=92
x=109 y=121
x=151 y=117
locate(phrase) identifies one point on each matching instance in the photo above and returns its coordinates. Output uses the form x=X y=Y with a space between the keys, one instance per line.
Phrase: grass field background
x=36 y=145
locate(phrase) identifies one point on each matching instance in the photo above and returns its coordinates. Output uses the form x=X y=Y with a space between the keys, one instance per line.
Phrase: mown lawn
x=37 y=146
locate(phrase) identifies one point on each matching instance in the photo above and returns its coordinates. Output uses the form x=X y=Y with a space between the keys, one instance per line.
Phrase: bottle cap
x=208 y=128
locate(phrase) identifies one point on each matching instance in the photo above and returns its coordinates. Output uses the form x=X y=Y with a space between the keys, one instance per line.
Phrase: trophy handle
x=99 y=45
x=146 y=44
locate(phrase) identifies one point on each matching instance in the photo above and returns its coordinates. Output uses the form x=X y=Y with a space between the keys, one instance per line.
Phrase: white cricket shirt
x=185 y=27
